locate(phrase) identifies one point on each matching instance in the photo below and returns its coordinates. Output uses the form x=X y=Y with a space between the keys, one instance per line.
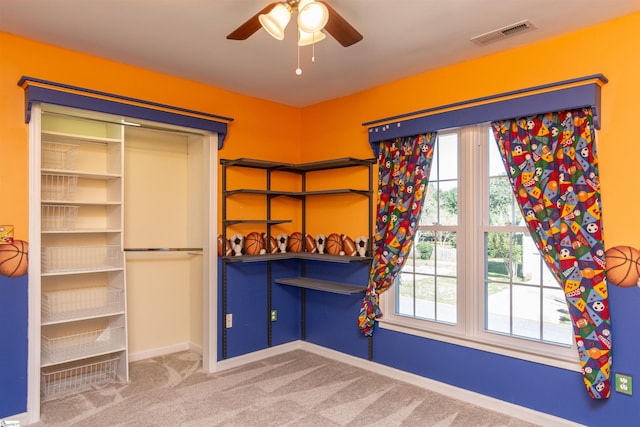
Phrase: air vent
x=503 y=33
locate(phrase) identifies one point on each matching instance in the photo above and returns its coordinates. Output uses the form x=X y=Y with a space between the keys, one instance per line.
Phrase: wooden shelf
x=322 y=285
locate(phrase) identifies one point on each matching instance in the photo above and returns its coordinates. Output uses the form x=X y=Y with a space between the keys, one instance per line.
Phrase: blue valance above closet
x=565 y=95
x=37 y=90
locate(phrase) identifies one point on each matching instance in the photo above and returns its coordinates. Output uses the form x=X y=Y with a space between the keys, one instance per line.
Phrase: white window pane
x=533 y=268
x=498 y=307
x=430 y=208
x=503 y=208
x=504 y=255
x=405 y=294
x=526 y=311
x=446 y=254
x=556 y=326
x=425 y=297
x=425 y=256
x=447 y=154
x=496 y=165
x=446 y=291
x=448 y=203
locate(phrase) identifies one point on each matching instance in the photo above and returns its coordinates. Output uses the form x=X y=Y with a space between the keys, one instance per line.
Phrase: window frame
x=469 y=330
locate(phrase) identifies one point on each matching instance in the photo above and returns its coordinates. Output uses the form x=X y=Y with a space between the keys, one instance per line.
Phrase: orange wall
x=256 y=131
x=333 y=129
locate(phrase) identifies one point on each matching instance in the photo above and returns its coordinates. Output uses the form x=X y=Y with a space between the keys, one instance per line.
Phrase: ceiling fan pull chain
x=298 y=70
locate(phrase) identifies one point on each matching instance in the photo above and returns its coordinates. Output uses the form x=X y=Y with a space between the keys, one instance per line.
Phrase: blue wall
x=331 y=321
x=13 y=345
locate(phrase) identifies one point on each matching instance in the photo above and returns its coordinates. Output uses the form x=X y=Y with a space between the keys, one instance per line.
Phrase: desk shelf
x=322 y=285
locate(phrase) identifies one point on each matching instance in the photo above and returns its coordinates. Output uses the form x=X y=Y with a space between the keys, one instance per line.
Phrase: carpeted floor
x=297 y=388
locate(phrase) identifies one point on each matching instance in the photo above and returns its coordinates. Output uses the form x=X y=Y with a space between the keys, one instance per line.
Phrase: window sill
x=566 y=359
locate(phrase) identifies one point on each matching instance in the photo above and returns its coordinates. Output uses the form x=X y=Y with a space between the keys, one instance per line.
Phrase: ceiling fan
x=313 y=16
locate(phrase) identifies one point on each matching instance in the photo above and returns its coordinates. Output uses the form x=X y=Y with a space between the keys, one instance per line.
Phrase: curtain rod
x=484 y=99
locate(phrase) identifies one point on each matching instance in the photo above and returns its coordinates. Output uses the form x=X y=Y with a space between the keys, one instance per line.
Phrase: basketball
x=310 y=244
x=622 y=266
x=295 y=242
x=334 y=244
x=254 y=244
x=14 y=258
x=348 y=246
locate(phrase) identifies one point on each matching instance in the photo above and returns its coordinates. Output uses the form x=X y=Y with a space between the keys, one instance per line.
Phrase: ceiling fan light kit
x=313 y=17
x=276 y=21
x=305 y=39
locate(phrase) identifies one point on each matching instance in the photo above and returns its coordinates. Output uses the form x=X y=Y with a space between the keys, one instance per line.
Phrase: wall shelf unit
x=268 y=192
x=82 y=269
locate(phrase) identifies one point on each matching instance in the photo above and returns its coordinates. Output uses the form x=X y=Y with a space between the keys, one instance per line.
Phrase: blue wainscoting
x=13 y=345
x=331 y=321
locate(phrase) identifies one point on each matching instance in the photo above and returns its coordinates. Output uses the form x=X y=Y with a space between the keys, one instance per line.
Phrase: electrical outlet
x=624 y=384
x=274 y=315
x=229 y=320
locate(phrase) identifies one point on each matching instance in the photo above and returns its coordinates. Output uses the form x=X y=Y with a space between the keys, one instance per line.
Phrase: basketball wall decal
x=14 y=258
x=295 y=242
x=254 y=244
x=622 y=266
x=334 y=244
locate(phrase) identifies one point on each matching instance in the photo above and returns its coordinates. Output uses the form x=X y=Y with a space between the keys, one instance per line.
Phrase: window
x=474 y=276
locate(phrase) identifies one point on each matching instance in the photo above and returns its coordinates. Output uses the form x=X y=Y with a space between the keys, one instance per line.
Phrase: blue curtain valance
x=565 y=95
x=37 y=90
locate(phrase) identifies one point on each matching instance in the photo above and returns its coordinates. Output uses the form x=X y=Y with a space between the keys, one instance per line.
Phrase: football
x=270 y=247
x=348 y=246
x=310 y=244
x=227 y=251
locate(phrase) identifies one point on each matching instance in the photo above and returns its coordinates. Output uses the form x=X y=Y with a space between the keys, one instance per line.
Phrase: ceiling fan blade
x=252 y=25
x=340 y=29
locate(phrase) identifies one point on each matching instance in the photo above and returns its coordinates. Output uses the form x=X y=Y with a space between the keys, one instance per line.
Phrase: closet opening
x=122 y=254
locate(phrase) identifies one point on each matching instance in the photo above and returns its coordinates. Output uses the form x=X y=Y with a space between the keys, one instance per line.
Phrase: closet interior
x=123 y=224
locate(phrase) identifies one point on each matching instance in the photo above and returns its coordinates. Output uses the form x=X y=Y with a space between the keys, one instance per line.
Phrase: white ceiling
x=187 y=38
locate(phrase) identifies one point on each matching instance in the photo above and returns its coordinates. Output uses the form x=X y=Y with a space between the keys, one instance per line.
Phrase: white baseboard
x=21 y=420
x=162 y=351
x=453 y=392
x=256 y=356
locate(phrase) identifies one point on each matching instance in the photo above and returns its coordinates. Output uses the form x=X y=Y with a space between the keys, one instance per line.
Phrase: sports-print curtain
x=403 y=173
x=552 y=163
